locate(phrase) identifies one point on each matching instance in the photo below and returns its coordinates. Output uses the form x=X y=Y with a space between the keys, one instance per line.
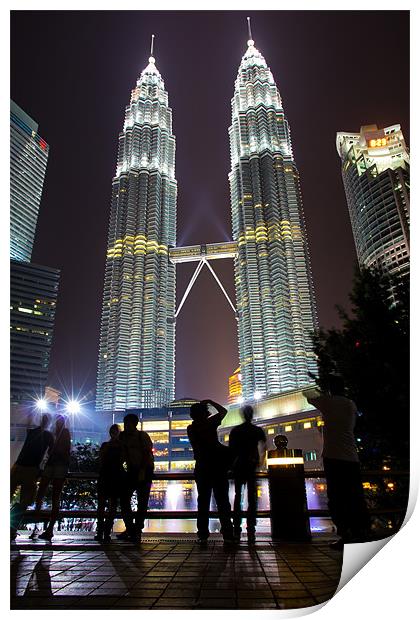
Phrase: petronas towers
x=275 y=301
x=136 y=365
x=274 y=291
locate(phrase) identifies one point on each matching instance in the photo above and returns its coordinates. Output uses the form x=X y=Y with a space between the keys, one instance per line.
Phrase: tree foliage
x=81 y=493
x=371 y=353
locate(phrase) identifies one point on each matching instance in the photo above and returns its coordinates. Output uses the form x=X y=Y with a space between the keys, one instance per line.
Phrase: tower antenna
x=151 y=45
x=249 y=28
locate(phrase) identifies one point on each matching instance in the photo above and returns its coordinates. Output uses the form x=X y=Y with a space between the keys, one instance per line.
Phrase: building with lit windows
x=33 y=298
x=28 y=164
x=287 y=414
x=274 y=290
x=235 y=388
x=136 y=366
x=33 y=288
x=376 y=176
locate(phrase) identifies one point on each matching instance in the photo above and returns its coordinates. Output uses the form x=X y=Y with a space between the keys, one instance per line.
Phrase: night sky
x=73 y=73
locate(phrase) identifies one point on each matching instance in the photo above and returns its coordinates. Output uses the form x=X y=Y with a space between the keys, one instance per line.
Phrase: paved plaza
x=171 y=572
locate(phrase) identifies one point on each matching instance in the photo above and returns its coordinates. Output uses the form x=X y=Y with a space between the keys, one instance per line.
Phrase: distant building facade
x=136 y=365
x=33 y=299
x=287 y=414
x=376 y=176
x=28 y=164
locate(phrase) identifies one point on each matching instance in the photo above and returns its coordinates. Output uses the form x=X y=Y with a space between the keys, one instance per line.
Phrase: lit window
x=161 y=466
x=159 y=437
x=162 y=452
x=307 y=425
x=270 y=431
x=182 y=465
x=287 y=429
x=180 y=425
x=156 y=425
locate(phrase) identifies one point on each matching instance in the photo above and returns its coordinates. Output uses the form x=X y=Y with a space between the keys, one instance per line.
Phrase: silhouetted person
x=138 y=456
x=111 y=480
x=341 y=463
x=246 y=441
x=55 y=472
x=211 y=466
x=26 y=471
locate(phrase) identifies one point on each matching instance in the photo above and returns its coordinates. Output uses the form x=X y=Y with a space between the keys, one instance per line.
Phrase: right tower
x=274 y=289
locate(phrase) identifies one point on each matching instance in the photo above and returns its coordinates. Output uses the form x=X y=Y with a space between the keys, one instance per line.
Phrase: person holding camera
x=212 y=461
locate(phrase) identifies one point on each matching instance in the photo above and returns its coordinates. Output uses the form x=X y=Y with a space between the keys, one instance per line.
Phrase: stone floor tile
x=207 y=593
x=260 y=604
x=255 y=594
x=174 y=602
x=134 y=603
x=297 y=603
x=215 y=603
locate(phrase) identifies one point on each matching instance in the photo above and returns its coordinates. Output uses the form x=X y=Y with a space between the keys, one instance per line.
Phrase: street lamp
x=73 y=407
x=41 y=404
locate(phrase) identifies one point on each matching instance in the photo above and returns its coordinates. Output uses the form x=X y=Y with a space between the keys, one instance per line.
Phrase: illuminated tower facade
x=376 y=176
x=136 y=366
x=274 y=290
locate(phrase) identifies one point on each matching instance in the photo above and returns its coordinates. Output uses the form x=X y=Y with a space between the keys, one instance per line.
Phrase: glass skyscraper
x=28 y=163
x=33 y=288
x=274 y=290
x=136 y=366
x=376 y=176
x=33 y=299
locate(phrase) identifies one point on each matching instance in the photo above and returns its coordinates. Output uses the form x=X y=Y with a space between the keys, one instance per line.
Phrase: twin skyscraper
x=275 y=303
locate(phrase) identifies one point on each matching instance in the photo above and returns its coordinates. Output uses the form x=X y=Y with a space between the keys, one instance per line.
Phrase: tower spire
x=250 y=39
x=151 y=45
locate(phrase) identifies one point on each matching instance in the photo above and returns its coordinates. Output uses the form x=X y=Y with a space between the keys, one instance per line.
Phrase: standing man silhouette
x=341 y=463
x=211 y=467
x=111 y=480
x=138 y=456
x=246 y=442
x=55 y=472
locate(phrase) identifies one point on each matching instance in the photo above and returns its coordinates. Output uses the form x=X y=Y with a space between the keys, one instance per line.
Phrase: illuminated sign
x=285 y=460
x=378 y=142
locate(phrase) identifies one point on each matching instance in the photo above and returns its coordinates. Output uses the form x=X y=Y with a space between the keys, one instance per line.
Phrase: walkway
x=171 y=572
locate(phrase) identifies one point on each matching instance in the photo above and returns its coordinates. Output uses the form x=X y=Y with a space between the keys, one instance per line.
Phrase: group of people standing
x=45 y=456
x=126 y=466
x=215 y=461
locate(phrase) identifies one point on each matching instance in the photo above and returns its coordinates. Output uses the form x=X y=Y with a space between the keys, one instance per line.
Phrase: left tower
x=136 y=366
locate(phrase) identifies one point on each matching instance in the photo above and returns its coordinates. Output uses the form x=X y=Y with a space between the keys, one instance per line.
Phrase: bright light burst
x=73 y=407
x=41 y=404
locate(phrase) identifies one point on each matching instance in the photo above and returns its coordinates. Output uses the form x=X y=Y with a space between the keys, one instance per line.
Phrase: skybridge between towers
x=203 y=254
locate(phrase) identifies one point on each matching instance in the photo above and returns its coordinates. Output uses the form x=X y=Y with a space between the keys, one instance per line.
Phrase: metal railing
x=38 y=516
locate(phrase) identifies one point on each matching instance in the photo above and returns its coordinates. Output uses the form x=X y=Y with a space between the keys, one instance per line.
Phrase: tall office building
x=28 y=163
x=33 y=298
x=33 y=288
x=136 y=366
x=376 y=176
x=274 y=290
